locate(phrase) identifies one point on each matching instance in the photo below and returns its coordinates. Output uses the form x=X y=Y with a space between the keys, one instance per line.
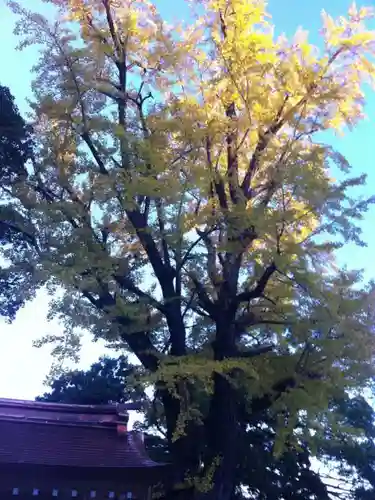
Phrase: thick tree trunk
x=186 y=450
x=222 y=425
x=220 y=436
x=222 y=439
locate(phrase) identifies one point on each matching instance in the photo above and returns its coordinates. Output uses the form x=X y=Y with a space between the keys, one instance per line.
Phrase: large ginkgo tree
x=181 y=199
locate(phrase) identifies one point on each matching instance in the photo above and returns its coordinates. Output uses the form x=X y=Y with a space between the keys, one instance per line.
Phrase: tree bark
x=220 y=439
x=222 y=429
x=222 y=424
x=221 y=433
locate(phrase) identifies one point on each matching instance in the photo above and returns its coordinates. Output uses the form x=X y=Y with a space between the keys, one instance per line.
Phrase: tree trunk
x=222 y=439
x=222 y=424
x=186 y=450
x=216 y=443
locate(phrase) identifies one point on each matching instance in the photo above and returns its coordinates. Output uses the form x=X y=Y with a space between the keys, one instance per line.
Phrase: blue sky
x=22 y=367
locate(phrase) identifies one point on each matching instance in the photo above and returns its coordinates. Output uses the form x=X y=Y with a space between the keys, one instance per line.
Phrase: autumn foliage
x=181 y=197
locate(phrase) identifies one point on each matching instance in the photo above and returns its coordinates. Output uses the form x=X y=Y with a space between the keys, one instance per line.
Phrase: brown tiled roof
x=68 y=435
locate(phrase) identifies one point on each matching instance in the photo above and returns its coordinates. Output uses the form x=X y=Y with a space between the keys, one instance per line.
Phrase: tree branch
x=139 y=342
x=260 y=286
x=211 y=257
x=217 y=180
x=260 y=148
x=160 y=215
x=232 y=157
x=163 y=274
x=86 y=137
x=250 y=319
x=255 y=351
x=204 y=299
x=128 y=284
x=112 y=29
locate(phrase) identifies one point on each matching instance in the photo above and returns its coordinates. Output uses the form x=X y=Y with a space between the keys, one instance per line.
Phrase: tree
x=353 y=452
x=180 y=195
x=289 y=476
x=103 y=383
x=15 y=151
x=15 y=146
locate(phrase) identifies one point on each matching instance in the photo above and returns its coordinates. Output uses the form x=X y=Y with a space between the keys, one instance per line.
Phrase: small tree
x=180 y=195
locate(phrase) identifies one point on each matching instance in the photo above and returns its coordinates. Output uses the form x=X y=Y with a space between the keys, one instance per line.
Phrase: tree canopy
x=15 y=151
x=180 y=198
x=105 y=382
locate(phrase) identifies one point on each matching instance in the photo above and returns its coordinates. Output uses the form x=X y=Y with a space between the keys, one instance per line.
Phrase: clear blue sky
x=358 y=147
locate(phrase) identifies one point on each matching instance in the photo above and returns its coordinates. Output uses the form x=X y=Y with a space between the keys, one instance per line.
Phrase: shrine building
x=63 y=451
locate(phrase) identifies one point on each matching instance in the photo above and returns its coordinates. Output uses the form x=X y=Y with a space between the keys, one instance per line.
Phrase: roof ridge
x=52 y=406
x=23 y=419
x=70 y=407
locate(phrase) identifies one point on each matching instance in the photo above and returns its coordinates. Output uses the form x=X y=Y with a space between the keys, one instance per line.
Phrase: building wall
x=63 y=484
